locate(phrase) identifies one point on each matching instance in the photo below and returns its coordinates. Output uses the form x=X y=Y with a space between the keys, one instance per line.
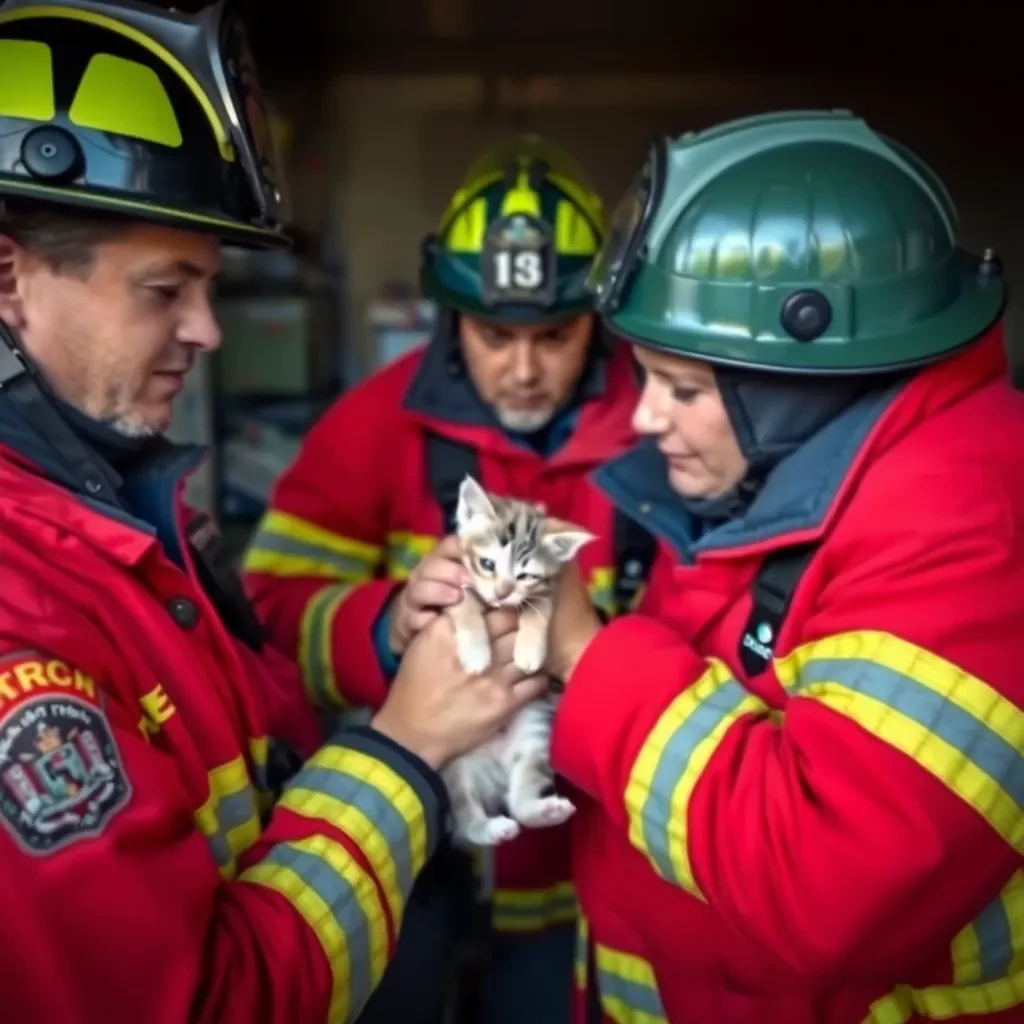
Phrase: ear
x=473 y=503
x=562 y=541
x=10 y=301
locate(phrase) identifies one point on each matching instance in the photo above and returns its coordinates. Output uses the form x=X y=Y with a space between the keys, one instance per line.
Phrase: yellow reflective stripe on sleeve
x=955 y=726
x=529 y=910
x=405 y=551
x=629 y=993
x=339 y=902
x=285 y=545
x=992 y=945
x=230 y=816
x=369 y=801
x=316 y=645
x=580 y=955
x=942 y=1002
x=669 y=766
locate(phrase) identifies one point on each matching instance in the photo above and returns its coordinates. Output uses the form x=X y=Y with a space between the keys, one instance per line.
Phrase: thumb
x=528 y=689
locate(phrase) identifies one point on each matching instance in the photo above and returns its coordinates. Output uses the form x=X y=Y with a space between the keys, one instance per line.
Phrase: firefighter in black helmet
x=151 y=857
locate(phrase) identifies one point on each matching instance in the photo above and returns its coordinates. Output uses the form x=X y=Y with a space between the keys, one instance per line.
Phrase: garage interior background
x=380 y=104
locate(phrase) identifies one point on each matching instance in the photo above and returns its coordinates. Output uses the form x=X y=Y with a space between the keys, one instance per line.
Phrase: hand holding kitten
x=435 y=583
x=438 y=710
x=574 y=623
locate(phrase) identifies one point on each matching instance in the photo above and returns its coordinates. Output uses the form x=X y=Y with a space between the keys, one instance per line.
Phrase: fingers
x=525 y=690
x=501 y=621
x=442 y=570
x=502 y=648
x=429 y=593
x=449 y=548
x=420 y=619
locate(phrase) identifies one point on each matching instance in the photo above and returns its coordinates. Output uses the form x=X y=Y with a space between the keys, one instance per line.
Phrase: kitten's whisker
x=527 y=603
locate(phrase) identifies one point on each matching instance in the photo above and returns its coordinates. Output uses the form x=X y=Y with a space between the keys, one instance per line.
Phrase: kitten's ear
x=562 y=541
x=473 y=503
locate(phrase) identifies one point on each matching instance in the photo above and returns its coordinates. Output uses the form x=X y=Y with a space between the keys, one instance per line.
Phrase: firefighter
x=517 y=388
x=152 y=860
x=810 y=795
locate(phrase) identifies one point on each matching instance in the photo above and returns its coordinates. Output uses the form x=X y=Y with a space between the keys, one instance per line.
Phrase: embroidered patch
x=28 y=673
x=61 y=776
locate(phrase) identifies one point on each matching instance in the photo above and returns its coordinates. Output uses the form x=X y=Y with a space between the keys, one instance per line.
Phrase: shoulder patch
x=61 y=775
x=27 y=673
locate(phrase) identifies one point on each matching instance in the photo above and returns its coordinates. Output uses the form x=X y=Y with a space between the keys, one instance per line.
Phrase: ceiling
x=313 y=37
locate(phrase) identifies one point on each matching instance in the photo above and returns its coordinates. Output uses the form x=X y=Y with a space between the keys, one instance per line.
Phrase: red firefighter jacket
x=143 y=865
x=352 y=515
x=836 y=839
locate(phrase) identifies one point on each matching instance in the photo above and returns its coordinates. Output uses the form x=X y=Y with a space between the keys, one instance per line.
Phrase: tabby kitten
x=514 y=553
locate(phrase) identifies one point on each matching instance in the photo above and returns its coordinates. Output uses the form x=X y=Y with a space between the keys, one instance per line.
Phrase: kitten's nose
x=503 y=589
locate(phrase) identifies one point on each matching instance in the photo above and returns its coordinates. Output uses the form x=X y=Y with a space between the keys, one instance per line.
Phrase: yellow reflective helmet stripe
x=589 y=202
x=224 y=144
x=522 y=197
x=125 y=98
x=467 y=231
x=574 y=233
x=578 y=218
x=26 y=80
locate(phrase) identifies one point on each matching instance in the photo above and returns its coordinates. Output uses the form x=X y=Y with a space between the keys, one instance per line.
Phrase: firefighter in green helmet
x=151 y=859
x=802 y=757
x=519 y=390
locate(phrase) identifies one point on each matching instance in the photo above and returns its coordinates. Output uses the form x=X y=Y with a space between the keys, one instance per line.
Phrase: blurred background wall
x=380 y=104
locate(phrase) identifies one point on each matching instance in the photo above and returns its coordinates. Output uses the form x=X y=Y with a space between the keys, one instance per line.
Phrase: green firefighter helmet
x=518 y=238
x=125 y=109
x=802 y=242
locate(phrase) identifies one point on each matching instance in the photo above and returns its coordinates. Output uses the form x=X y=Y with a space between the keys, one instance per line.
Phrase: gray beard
x=524 y=422
x=126 y=428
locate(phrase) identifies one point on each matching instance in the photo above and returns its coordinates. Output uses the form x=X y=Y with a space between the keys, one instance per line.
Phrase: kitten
x=514 y=553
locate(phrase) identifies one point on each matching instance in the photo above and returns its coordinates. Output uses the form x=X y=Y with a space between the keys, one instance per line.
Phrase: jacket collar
x=442 y=398
x=35 y=477
x=802 y=494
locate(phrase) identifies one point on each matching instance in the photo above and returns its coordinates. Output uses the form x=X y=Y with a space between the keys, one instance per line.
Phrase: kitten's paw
x=474 y=653
x=545 y=811
x=492 y=831
x=528 y=653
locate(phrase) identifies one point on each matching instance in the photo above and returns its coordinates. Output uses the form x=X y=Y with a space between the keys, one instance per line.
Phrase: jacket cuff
x=386 y=659
x=423 y=780
x=609 y=706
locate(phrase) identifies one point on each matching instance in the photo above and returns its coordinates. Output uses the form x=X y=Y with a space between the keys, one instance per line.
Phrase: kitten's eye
x=527 y=576
x=487 y=564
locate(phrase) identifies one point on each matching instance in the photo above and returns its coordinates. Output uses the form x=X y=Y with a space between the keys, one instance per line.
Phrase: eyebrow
x=182 y=267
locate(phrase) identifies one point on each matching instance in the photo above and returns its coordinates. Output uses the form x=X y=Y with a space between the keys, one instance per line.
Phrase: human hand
x=435 y=583
x=437 y=710
x=574 y=623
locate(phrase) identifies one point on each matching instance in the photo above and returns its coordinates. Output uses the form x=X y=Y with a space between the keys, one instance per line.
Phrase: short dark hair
x=65 y=242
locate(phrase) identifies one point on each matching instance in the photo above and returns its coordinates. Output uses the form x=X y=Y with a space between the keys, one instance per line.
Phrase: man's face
x=526 y=373
x=117 y=342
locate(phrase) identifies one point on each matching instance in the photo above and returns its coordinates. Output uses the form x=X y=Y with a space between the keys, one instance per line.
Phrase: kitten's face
x=511 y=549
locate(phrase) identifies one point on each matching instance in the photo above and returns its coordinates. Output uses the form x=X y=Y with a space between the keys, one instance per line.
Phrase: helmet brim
x=232 y=232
